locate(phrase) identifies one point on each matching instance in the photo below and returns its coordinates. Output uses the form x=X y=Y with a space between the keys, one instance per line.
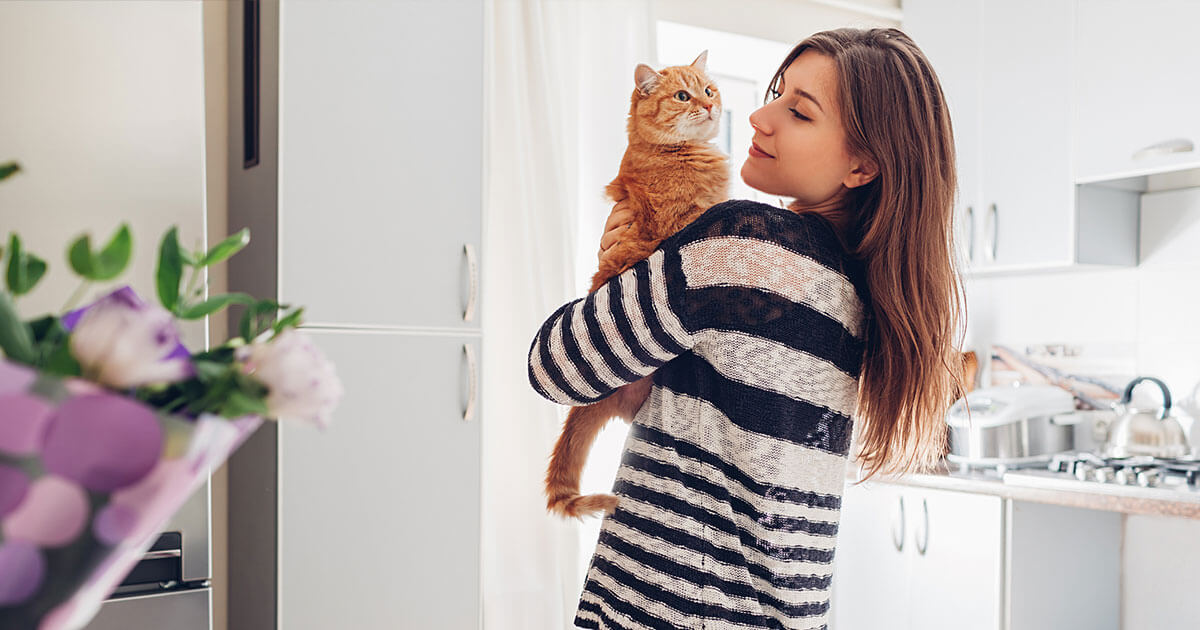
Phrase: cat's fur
x=670 y=175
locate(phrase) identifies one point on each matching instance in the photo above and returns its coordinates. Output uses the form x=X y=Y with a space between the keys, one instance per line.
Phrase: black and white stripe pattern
x=731 y=479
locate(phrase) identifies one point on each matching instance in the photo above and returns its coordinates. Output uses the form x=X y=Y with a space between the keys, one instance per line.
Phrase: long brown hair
x=900 y=227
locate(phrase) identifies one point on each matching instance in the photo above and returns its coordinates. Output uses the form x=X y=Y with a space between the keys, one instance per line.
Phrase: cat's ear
x=645 y=78
x=701 y=61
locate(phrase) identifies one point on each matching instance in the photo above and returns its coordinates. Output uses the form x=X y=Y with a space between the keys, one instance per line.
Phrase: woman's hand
x=614 y=228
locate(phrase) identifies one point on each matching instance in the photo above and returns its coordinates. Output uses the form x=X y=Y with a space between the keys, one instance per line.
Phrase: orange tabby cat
x=670 y=175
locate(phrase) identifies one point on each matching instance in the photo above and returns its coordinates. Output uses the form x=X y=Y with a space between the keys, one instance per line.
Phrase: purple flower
x=123 y=342
x=300 y=381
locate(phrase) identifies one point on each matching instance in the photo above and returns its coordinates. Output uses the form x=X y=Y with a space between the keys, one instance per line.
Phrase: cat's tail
x=566 y=463
x=579 y=432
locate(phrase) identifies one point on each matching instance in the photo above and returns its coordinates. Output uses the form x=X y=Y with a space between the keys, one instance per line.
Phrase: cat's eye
x=708 y=92
x=683 y=95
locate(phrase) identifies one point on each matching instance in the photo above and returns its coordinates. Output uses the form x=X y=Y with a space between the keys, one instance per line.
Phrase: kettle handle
x=1128 y=395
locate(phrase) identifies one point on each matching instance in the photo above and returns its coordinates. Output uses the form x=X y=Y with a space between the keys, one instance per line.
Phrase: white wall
x=787 y=21
x=103 y=107
x=1149 y=314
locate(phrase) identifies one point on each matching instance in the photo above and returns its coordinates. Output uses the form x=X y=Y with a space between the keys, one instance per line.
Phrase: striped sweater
x=731 y=478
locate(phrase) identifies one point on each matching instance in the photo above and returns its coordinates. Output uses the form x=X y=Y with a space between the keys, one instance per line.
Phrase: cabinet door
x=1027 y=213
x=1137 y=85
x=379 y=514
x=957 y=559
x=380 y=154
x=870 y=576
x=955 y=54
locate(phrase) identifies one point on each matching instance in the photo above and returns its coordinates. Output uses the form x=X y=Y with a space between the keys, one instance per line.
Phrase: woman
x=769 y=330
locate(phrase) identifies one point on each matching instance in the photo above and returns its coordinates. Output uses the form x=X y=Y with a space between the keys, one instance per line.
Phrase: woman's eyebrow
x=800 y=92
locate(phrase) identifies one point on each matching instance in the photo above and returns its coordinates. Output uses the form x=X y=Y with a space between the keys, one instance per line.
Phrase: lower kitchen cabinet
x=925 y=559
x=917 y=558
x=379 y=515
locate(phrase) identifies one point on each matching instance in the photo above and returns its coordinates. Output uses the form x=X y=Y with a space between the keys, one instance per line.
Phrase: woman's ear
x=864 y=170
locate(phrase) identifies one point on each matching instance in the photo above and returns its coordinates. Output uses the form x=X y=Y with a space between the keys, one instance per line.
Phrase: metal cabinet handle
x=1175 y=145
x=898 y=541
x=473 y=273
x=994 y=228
x=971 y=234
x=469 y=412
x=922 y=546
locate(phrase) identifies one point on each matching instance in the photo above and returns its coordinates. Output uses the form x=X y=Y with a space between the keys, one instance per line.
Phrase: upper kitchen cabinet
x=955 y=55
x=1137 y=88
x=1006 y=68
x=381 y=154
x=1026 y=201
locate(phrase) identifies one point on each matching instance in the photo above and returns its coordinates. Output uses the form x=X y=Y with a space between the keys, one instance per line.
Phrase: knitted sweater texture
x=730 y=482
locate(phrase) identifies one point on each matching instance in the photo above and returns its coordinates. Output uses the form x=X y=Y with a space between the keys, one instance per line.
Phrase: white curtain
x=559 y=80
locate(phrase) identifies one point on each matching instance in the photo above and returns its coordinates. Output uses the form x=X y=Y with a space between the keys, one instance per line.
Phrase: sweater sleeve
x=740 y=270
x=621 y=332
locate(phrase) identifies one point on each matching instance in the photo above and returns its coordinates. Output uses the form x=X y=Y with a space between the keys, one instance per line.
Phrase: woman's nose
x=758 y=122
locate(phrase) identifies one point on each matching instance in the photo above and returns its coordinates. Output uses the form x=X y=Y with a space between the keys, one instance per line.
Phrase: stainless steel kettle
x=1146 y=432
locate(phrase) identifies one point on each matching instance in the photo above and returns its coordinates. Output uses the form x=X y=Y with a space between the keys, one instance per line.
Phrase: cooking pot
x=1151 y=432
x=1010 y=425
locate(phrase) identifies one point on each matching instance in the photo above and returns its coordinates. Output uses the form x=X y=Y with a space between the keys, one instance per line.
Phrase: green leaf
x=170 y=270
x=106 y=264
x=209 y=370
x=59 y=361
x=291 y=320
x=112 y=260
x=79 y=255
x=239 y=404
x=15 y=338
x=24 y=269
x=258 y=318
x=226 y=248
x=214 y=304
x=8 y=168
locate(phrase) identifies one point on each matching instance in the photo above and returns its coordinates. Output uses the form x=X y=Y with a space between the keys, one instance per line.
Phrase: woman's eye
x=799 y=115
x=708 y=92
x=775 y=94
x=682 y=95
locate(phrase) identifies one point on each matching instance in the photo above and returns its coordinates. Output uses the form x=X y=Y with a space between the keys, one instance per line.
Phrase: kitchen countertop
x=1040 y=486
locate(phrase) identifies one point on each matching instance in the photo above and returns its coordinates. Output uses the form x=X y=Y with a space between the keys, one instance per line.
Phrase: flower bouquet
x=108 y=423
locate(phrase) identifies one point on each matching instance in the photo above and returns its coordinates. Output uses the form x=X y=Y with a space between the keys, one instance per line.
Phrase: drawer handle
x=1175 y=145
x=469 y=412
x=898 y=541
x=994 y=230
x=971 y=234
x=473 y=273
x=922 y=546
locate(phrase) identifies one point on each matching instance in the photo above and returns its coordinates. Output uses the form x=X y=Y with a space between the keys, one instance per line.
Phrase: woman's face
x=799 y=144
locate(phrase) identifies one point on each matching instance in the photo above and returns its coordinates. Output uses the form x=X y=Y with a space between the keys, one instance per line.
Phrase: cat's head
x=676 y=104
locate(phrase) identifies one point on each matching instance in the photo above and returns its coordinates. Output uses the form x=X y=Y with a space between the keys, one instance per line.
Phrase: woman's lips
x=757 y=152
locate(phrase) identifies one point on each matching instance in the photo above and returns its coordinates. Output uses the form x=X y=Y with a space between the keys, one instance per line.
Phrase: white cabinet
x=1137 y=87
x=380 y=160
x=918 y=558
x=1011 y=112
x=911 y=557
x=380 y=514
x=956 y=57
x=1026 y=191
x=365 y=205
x=1007 y=78
x=870 y=577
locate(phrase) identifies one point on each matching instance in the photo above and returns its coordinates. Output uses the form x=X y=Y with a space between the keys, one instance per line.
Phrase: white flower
x=123 y=344
x=300 y=381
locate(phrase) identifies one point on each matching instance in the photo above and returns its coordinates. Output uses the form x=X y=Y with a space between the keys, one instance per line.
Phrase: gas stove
x=1143 y=476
